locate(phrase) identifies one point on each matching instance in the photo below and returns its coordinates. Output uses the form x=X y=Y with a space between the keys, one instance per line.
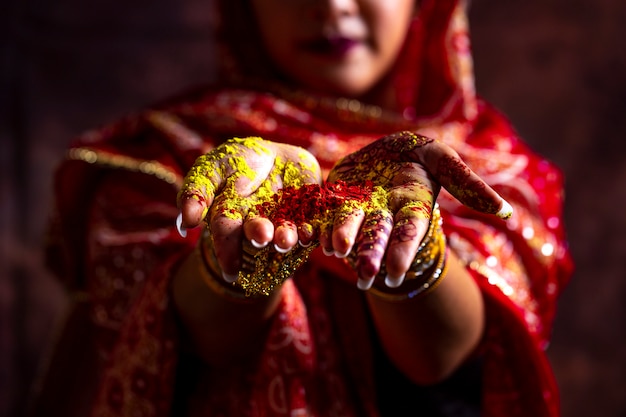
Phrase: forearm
x=220 y=328
x=430 y=336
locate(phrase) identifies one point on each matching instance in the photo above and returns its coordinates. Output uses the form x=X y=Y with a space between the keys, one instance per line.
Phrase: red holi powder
x=312 y=201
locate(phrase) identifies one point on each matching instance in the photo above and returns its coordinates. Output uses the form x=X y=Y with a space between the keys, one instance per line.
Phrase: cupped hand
x=410 y=169
x=224 y=186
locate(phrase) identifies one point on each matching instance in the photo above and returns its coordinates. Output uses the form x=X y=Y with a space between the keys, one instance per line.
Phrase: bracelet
x=263 y=270
x=430 y=263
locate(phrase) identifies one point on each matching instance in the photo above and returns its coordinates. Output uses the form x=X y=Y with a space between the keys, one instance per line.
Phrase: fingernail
x=328 y=252
x=179 y=225
x=304 y=245
x=229 y=278
x=506 y=211
x=365 y=284
x=394 y=282
x=280 y=250
x=257 y=244
x=342 y=255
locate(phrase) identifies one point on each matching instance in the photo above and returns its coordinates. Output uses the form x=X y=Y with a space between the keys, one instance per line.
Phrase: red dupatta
x=113 y=241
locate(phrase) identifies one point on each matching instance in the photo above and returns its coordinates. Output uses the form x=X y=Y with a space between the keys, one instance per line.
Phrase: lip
x=336 y=46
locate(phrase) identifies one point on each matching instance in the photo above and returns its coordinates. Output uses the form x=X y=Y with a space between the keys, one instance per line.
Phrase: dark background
x=557 y=68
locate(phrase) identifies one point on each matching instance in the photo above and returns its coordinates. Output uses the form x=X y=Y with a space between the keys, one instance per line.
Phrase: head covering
x=431 y=80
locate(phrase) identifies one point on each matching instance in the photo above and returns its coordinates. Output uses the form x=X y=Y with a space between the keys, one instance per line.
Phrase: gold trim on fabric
x=148 y=167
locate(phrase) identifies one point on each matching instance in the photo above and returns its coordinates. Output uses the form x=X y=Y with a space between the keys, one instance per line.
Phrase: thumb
x=446 y=166
x=198 y=190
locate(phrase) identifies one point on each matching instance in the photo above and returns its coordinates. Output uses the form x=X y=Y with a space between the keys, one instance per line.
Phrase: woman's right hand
x=224 y=185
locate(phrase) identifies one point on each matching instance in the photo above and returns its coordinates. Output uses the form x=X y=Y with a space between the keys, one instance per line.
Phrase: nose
x=333 y=9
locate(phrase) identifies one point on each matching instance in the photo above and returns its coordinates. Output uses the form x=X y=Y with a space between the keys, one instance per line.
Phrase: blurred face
x=335 y=46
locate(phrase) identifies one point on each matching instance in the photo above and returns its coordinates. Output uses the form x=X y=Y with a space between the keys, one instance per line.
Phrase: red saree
x=113 y=241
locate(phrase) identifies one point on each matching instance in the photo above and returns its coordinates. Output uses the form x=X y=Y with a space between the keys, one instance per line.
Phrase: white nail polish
x=328 y=252
x=394 y=282
x=342 y=255
x=506 y=211
x=257 y=244
x=303 y=245
x=280 y=250
x=229 y=278
x=179 y=225
x=365 y=284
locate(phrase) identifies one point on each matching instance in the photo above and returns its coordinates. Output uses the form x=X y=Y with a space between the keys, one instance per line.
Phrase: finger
x=410 y=225
x=449 y=170
x=259 y=231
x=326 y=241
x=371 y=245
x=226 y=224
x=227 y=236
x=345 y=230
x=306 y=234
x=198 y=190
x=192 y=211
x=412 y=202
x=285 y=237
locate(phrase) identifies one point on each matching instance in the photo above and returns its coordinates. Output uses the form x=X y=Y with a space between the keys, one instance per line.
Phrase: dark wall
x=556 y=67
x=66 y=66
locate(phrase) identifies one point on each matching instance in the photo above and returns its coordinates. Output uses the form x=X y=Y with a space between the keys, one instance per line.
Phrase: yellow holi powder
x=222 y=168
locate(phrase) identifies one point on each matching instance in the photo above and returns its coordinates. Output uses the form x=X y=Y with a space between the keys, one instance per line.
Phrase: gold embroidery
x=153 y=168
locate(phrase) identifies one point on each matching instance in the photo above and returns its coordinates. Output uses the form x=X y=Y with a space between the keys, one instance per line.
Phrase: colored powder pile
x=315 y=204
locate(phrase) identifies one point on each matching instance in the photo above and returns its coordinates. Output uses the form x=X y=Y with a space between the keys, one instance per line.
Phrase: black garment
x=457 y=396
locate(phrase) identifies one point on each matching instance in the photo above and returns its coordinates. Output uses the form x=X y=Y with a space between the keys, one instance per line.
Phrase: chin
x=342 y=88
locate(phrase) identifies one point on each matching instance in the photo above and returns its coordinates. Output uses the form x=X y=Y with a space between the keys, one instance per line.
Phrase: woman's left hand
x=411 y=169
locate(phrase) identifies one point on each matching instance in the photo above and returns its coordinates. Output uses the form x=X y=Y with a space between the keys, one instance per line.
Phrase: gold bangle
x=409 y=290
x=263 y=270
x=430 y=262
